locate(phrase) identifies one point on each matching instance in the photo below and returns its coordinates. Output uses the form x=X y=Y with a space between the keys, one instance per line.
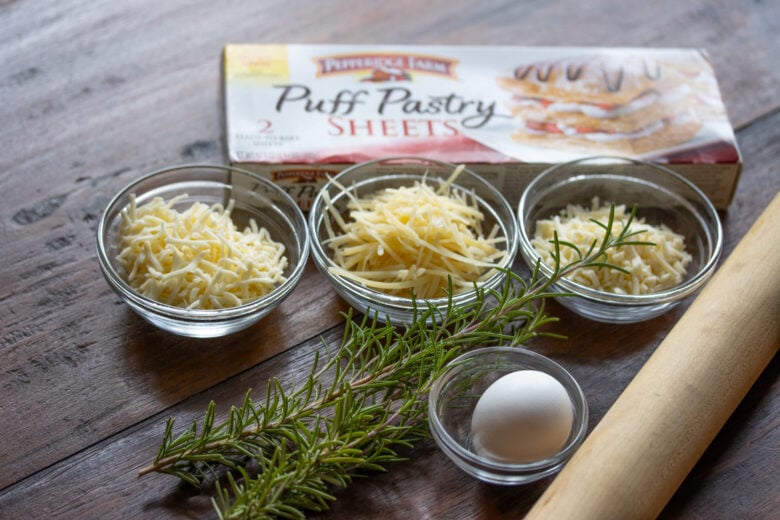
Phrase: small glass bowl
x=366 y=178
x=254 y=197
x=661 y=195
x=456 y=392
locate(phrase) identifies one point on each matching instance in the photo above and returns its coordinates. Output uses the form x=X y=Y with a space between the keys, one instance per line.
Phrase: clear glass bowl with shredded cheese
x=386 y=229
x=200 y=250
x=672 y=213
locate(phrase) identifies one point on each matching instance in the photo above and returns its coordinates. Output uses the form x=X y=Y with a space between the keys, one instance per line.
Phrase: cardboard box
x=297 y=113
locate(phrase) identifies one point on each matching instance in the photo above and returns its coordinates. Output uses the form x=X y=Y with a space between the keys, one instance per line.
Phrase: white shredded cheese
x=197 y=259
x=410 y=239
x=652 y=268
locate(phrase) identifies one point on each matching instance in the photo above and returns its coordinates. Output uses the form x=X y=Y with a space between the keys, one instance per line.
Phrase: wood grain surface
x=94 y=94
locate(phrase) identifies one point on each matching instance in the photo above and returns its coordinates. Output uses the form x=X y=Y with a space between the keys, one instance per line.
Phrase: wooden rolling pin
x=646 y=444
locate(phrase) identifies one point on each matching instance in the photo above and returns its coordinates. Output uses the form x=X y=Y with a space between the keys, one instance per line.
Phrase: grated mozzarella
x=652 y=268
x=411 y=239
x=197 y=259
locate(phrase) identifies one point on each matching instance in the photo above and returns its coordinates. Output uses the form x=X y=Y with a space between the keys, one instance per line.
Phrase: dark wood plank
x=740 y=466
x=602 y=357
x=737 y=475
x=94 y=95
x=83 y=385
x=105 y=476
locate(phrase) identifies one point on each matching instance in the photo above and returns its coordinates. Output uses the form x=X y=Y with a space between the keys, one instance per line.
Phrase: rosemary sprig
x=591 y=258
x=280 y=456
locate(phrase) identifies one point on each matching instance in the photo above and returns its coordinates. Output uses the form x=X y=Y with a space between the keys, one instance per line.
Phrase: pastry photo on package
x=627 y=104
x=299 y=113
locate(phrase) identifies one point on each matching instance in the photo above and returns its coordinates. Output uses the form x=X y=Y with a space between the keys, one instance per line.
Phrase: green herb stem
x=281 y=456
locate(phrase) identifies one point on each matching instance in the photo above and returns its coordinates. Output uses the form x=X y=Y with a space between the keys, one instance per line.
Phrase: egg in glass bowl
x=507 y=415
x=678 y=236
x=202 y=250
x=397 y=235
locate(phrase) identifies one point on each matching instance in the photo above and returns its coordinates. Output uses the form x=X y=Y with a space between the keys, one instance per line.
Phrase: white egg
x=522 y=417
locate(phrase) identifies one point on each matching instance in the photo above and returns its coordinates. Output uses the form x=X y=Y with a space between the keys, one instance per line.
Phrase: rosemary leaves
x=281 y=454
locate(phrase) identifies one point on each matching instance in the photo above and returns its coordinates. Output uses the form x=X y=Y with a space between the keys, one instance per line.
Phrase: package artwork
x=298 y=113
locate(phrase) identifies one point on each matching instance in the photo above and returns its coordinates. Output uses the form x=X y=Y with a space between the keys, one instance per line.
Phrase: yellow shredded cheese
x=197 y=259
x=410 y=239
x=652 y=268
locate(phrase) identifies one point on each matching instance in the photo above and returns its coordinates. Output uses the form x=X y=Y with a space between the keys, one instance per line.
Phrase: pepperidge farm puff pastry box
x=298 y=113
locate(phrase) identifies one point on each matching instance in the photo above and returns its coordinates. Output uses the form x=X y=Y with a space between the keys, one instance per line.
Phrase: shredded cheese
x=197 y=259
x=652 y=268
x=412 y=240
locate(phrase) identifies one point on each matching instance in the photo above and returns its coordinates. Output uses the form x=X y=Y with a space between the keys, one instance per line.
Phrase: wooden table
x=93 y=94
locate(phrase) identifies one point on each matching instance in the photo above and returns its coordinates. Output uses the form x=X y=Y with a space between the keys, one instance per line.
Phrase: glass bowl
x=367 y=178
x=254 y=197
x=455 y=394
x=662 y=197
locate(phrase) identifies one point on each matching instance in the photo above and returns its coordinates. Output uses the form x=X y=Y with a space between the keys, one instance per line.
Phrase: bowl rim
x=117 y=282
x=579 y=401
x=675 y=293
x=400 y=303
